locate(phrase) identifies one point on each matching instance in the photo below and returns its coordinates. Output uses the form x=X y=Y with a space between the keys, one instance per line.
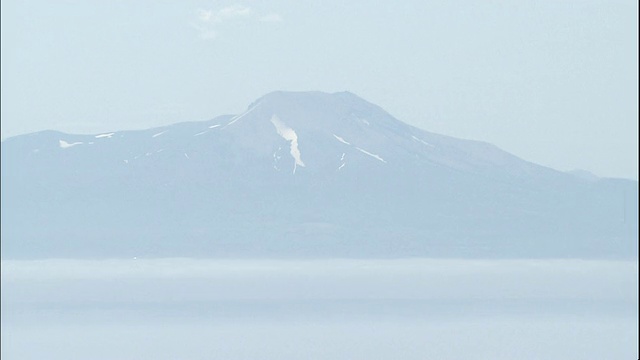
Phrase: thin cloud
x=224 y=14
x=231 y=12
x=208 y=20
x=272 y=17
x=208 y=35
x=205 y=15
x=205 y=32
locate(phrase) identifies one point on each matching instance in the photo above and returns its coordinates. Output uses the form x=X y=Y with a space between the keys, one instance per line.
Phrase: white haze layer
x=319 y=309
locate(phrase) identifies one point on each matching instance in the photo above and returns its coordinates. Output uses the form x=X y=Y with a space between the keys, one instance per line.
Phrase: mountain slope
x=300 y=174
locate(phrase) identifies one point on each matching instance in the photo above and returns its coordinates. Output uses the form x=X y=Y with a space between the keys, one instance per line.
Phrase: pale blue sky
x=554 y=82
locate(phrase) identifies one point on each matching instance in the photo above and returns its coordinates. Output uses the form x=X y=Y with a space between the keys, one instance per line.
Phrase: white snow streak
x=109 y=135
x=201 y=133
x=422 y=141
x=359 y=149
x=370 y=154
x=214 y=126
x=158 y=134
x=238 y=117
x=341 y=139
x=276 y=158
x=185 y=155
x=290 y=135
x=65 y=145
x=343 y=163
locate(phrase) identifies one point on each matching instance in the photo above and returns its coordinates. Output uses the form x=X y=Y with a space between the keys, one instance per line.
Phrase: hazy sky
x=554 y=82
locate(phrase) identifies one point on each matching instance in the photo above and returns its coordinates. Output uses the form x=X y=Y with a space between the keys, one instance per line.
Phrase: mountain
x=300 y=174
x=584 y=174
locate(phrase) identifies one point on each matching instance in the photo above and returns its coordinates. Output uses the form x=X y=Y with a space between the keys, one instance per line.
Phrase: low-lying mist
x=319 y=309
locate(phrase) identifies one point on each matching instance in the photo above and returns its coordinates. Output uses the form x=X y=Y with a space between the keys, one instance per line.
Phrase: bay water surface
x=319 y=309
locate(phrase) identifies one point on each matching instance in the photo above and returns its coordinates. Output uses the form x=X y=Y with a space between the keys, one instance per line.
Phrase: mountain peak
x=343 y=99
x=324 y=111
x=313 y=94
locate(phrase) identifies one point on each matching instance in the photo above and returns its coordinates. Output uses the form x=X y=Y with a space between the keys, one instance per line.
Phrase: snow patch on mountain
x=342 y=160
x=371 y=154
x=158 y=134
x=290 y=135
x=65 y=145
x=377 y=157
x=341 y=139
x=422 y=141
x=108 y=136
x=238 y=117
x=276 y=158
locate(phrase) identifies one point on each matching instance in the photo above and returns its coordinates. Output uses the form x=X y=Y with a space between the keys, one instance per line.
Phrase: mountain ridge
x=311 y=174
